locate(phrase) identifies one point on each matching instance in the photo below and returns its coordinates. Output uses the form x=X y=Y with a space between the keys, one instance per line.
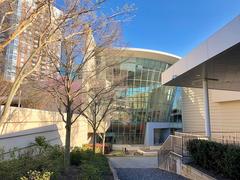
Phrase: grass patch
x=117 y=153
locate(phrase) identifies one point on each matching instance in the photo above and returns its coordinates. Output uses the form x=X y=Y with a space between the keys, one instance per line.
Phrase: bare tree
x=69 y=83
x=74 y=28
x=105 y=126
x=116 y=111
x=45 y=36
x=101 y=98
x=50 y=33
x=10 y=28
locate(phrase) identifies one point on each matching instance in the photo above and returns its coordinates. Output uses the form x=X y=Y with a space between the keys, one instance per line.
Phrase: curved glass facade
x=142 y=99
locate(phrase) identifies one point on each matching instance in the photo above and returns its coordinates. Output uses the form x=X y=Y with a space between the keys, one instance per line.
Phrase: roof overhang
x=217 y=59
x=145 y=53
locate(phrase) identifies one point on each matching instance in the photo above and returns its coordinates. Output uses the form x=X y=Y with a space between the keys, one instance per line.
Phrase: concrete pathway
x=140 y=168
x=134 y=162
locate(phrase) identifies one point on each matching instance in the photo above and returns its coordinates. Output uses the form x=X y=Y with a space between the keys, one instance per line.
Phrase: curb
x=114 y=172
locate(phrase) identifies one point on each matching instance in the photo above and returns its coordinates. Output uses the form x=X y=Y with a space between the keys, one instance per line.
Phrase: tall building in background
x=19 y=50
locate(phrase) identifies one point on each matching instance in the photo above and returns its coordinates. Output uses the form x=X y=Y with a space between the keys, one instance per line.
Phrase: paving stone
x=146 y=174
x=141 y=168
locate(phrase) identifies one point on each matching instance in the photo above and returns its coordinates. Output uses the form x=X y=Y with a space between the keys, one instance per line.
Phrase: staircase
x=174 y=157
x=175 y=146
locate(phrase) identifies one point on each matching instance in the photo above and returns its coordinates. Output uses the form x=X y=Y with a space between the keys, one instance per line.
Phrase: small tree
x=117 y=112
x=105 y=126
x=101 y=98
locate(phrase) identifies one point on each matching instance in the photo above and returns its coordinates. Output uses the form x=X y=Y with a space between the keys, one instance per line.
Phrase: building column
x=206 y=109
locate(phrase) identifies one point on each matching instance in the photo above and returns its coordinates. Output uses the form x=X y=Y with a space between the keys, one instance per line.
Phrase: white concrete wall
x=24 y=138
x=25 y=124
x=165 y=126
x=224 y=110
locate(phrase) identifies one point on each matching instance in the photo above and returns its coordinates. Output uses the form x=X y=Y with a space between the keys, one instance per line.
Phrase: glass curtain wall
x=141 y=99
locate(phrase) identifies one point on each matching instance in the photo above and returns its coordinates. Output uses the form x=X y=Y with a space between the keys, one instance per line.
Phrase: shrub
x=87 y=155
x=90 y=147
x=38 y=166
x=220 y=158
x=90 y=172
x=41 y=141
x=99 y=147
x=94 y=167
x=37 y=175
x=51 y=159
x=75 y=156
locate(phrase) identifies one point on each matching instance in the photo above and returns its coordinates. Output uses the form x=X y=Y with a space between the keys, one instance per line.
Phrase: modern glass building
x=142 y=99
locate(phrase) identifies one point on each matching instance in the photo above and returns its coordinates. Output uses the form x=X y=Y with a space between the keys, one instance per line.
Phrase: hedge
x=98 y=147
x=93 y=166
x=220 y=158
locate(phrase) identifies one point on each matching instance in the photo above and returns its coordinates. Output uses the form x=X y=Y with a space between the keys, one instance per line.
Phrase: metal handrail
x=177 y=144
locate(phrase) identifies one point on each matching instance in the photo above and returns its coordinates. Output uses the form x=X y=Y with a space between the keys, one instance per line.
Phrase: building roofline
x=215 y=58
x=153 y=51
x=148 y=54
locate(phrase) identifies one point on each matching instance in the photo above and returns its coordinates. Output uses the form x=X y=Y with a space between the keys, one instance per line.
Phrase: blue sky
x=175 y=26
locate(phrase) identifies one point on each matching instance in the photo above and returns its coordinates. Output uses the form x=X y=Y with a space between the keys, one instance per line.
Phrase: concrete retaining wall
x=23 y=125
x=174 y=164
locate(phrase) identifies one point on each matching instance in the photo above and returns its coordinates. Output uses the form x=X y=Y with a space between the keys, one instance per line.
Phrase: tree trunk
x=6 y=109
x=94 y=141
x=16 y=84
x=67 y=144
x=103 y=143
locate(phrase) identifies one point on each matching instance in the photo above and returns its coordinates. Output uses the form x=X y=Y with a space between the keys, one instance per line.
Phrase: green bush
x=41 y=141
x=75 y=156
x=51 y=159
x=90 y=147
x=221 y=158
x=90 y=172
x=99 y=147
x=37 y=175
x=94 y=166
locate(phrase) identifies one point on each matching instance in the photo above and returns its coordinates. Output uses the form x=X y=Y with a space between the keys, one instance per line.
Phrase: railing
x=163 y=153
x=177 y=144
x=224 y=137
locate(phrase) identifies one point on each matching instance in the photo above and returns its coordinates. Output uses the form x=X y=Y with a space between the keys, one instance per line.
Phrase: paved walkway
x=140 y=168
